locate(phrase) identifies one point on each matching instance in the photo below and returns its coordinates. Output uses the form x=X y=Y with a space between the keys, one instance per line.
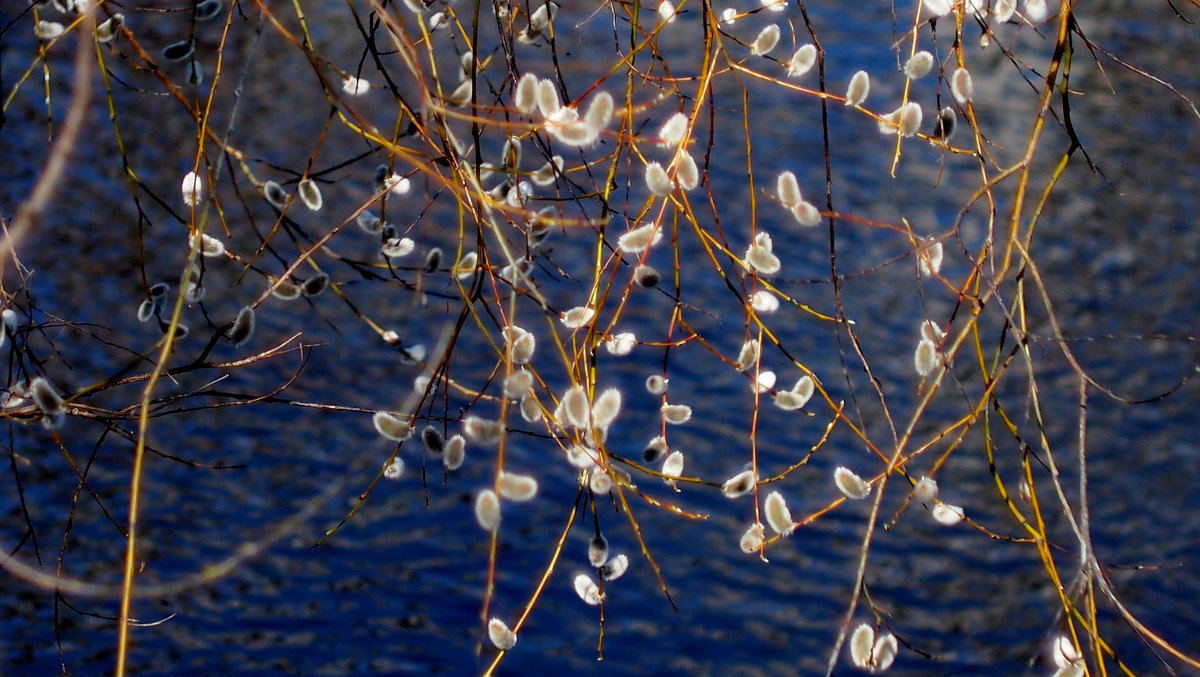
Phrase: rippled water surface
x=400 y=587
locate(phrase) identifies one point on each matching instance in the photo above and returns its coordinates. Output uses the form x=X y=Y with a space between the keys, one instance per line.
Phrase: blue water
x=399 y=589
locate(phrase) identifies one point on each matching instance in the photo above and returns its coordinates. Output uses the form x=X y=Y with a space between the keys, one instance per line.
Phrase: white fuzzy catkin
x=752 y=539
x=614 y=568
x=600 y=112
x=872 y=652
x=482 y=430
x=599 y=481
x=947 y=515
x=502 y=638
x=597 y=551
x=687 y=174
x=761 y=259
x=192 y=189
x=910 y=118
x=1036 y=11
x=467 y=65
x=676 y=414
x=243 y=326
x=516 y=487
x=646 y=276
x=574 y=408
x=355 y=86
x=804 y=388
x=577 y=317
x=621 y=344
x=850 y=484
x=275 y=194
x=541 y=224
x=1064 y=653
x=962 y=86
x=108 y=30
x=767 y=38
x=658 y=181
x=516 y=196
x=587 y=589
x=369 y=222
x=930 y=331
x=862 y=640
x=548 y=173
x=548 y=102
x=518 y=384
x=566 y=126
x=581 y=457
x=925 y=490
x=778 y=514
x=531 y=411
x=806 y=213
x=310 y=194
x=673 y=467
x=787 y=189
x=749 y=355
x=606 y=408
x=890 y=123
x=640 y=239
x=397 y=247
x=938 y=7
x=510 y=154
x=656 y=384
x=210 y=247
x=414 y=354
x=9 y=319
x=655 y=450
x=860 y=87
x=673 y=130
x=798 y=396
x=391 y=426
x=764 y=381
x=542 y=16
x=454 y=452
x=519 y=344
x=465 y=268
x=918 y=65
x=925 y=358
x=739 y=485
x=397 y=185
x=802 y=61
x=285 y=290
x=885 y=651
x=764 y=302
x=788 y=401
x=487 y=510
x=45 y=397
x=1003 y=10
x=930 y=254
x=48 y=30
x=526 y=96
x=666 y=11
